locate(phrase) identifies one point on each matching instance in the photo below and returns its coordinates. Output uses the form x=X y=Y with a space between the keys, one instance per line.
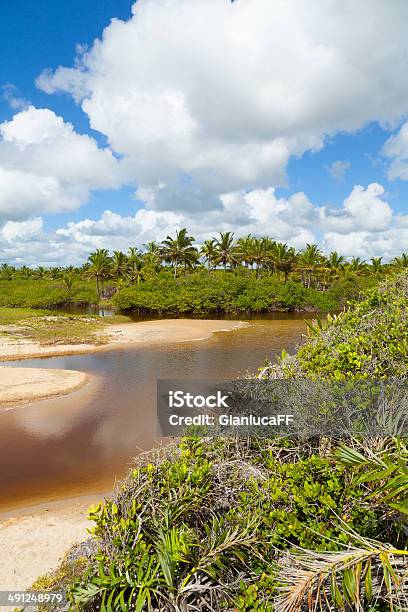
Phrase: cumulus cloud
x=22 y=230
x=203 y=103
x=227 y=92
x=46 y=167
x=364 y=225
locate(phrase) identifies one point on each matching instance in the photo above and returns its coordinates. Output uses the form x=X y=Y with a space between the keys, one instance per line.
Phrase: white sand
x=35 y=540
x=29 y=384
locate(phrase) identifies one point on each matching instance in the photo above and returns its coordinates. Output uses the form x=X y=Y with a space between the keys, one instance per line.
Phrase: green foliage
x=387 y=470
x=44 y=293
x=217 y=292
x=12 y=316
x=205 y=523
x=254 y=524
x=370 y=339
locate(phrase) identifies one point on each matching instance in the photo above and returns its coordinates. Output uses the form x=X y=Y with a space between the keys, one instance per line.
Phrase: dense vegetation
x=222 y=275
x=367 y=340
x=283 y=525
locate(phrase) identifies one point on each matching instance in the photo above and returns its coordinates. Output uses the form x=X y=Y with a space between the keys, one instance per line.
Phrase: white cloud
x=10 y=95
x=204 y=103
x=364 y=226
x=367 y=208
x=338 y=169
x=22 y=230
x=46 y=167
x=396 y=149
x=227 y=92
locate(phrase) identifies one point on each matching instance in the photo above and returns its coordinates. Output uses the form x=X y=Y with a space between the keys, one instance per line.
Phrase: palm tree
x=357 y=264
x=209 y=252
x=401 y=262
x=69 y=279
x=41 y=272
x=335 y=261
x=226 y=252
x=7 y=271
x=150 y=265
x=309 y=262
x=258 y=253
x=179 y=250
x=25 y=272
x=119 y=264
x=100 y=267
x=134 y=265
x=376 y=265
x=245 y=245
x=283 y=258
x=152 y=247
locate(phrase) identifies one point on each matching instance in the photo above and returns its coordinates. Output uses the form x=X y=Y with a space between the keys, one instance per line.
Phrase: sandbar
x=30 y=384
x=163 y=331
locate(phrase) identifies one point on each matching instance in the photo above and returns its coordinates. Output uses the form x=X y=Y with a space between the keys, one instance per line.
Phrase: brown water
x=81 y=443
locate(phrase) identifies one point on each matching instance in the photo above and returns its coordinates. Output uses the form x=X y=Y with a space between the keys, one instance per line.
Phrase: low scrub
x=203 y=524
x=44 y=293
x=229 y=293
x=368 y=340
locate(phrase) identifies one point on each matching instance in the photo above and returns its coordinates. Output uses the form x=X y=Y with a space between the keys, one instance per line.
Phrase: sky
x=121 y=122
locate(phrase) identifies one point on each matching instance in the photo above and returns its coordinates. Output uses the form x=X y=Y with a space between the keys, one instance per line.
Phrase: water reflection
x=82 y=442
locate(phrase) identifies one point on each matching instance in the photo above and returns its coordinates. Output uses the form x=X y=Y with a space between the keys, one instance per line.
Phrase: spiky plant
x=355 y=578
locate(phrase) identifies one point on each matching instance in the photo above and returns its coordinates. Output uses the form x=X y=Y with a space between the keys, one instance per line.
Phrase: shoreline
x=20 y=385
x=121 y=335
x=24 y=385
x=48 y=530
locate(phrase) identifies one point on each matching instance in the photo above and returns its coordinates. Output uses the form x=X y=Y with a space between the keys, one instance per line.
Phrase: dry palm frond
x=371 y=571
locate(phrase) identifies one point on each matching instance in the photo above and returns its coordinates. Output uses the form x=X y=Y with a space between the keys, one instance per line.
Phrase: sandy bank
x=33 y=541
x=29 y=384
x=146 y=332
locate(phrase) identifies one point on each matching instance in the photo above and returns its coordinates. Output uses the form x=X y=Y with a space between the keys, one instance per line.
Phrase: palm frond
x=353 y=577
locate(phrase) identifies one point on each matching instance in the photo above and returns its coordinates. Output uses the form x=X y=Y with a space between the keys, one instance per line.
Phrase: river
x=80 y=443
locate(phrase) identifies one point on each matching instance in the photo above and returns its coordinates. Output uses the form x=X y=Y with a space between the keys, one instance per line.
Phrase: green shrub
x=369 y=339
x=43 y=293
x=218 y=292
x=214 y=515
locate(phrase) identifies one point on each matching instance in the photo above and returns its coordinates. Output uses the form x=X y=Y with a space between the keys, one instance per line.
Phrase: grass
x=9 y=316
x=48 y=328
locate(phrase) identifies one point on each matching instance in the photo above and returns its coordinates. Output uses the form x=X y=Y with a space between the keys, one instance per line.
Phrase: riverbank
x=18 y=385
x=118 y=335
x=47 y=531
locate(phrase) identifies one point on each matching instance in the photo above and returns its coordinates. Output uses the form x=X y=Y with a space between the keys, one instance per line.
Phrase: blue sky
x=40 y=34
x=232 y=126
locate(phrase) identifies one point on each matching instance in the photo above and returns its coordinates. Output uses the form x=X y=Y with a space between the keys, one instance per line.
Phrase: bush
x=203 y=523
x=202 y=293
x=369 y=339
x=207 y=524
x=44 y=293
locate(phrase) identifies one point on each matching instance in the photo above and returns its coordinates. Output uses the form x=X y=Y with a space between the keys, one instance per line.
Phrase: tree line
x=262 y=255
